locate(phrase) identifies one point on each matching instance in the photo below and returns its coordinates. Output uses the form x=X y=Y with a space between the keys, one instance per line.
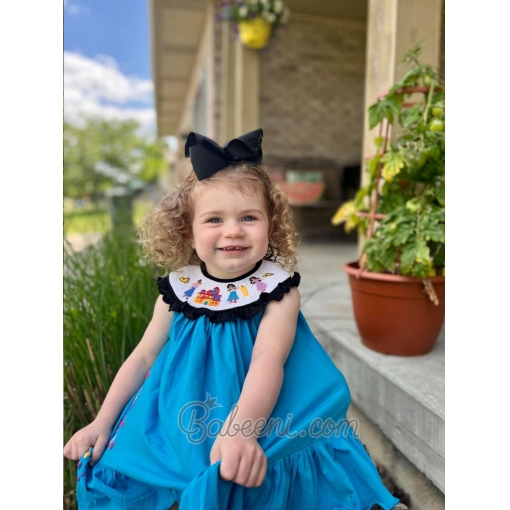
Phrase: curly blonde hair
x=166 y=232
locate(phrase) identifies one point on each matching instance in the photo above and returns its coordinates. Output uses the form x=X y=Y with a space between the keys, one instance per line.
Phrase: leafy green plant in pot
x=398 y=283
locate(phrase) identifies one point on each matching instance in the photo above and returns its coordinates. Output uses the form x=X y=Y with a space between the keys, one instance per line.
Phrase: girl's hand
x=96 y=434
x=242 y=459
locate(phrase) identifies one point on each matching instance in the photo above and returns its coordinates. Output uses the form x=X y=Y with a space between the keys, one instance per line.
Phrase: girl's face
x=230 y=230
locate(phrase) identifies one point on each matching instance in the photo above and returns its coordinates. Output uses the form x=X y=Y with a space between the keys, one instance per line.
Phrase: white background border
x=478 y=276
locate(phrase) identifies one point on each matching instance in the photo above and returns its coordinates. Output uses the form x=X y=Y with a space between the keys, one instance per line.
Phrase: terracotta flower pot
x=255 y=33
x=302 y=192
x=393 y=313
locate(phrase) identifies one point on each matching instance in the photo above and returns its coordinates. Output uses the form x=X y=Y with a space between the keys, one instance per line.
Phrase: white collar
x=194 y=286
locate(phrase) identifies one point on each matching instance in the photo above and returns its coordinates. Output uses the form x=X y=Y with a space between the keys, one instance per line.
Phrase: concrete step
x=403 y=396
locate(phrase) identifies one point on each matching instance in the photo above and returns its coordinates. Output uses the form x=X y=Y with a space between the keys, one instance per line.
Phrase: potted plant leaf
x=254 y=21
x=398 y=283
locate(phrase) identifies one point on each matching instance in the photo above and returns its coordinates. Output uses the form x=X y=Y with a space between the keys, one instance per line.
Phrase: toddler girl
x=225 y=404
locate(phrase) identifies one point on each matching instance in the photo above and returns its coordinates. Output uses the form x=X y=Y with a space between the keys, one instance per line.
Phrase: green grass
x=98 y=220
x=87 y=222
x=109 y=296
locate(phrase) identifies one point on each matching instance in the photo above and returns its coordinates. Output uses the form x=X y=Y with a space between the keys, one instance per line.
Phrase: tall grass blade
x=109 y=296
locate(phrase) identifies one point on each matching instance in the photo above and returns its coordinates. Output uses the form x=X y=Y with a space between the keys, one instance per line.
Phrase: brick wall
x=312 y=86
x=311 y=106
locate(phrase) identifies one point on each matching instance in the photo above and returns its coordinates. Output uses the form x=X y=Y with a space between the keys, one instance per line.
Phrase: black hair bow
x=207 y=157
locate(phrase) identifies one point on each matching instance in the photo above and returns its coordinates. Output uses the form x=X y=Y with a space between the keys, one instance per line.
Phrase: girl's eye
x=251 y=218
x=213 y=220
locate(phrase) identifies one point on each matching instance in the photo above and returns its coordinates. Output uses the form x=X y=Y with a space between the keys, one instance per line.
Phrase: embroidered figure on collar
x=184 y=279
x=244 y=291
x=192 y=289
x=232 y=297
x=209 y=297
x=261 y=286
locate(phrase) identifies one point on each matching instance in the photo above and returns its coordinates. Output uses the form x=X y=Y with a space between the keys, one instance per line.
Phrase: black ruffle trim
x=244 y=312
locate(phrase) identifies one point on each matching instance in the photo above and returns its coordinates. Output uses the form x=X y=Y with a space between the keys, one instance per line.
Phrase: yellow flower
x=344 y=212
x=351 y=223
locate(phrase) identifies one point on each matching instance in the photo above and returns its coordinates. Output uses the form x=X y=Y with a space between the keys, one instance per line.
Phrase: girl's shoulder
x=194 y=292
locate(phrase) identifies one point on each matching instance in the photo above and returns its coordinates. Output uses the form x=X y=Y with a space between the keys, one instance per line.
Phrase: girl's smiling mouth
x=234 y=249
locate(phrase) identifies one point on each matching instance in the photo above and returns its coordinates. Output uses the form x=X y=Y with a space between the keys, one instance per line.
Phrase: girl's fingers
x=229 y=467
x=255 y=472
x=83 y=448
x=244 y=470
x=262 y=473
x=75 y=455
x=99 y=447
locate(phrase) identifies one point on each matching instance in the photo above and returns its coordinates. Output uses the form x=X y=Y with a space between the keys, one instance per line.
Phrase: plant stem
x=417 y=228
x=429 y=102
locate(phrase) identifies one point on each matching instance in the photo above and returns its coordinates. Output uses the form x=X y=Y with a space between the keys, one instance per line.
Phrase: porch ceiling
x=176 y=31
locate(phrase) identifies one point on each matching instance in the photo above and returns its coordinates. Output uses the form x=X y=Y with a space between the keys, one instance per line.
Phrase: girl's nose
x=233 y=229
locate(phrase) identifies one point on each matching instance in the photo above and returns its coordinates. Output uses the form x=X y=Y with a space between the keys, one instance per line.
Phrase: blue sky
x=107 y=61
x=118 y=28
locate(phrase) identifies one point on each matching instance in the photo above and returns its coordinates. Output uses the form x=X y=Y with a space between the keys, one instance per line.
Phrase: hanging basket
x=255 y=33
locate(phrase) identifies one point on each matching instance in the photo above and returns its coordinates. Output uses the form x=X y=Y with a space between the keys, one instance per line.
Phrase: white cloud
x=75 y=9
x=96 y=87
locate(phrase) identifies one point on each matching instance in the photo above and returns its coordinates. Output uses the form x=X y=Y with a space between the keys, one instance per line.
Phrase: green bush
x=109 y=296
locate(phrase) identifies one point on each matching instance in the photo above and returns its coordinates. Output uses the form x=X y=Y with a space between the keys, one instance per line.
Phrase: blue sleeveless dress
x=159 y=449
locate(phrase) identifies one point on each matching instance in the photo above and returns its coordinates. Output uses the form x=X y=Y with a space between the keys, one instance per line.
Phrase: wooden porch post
x=247 y=90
